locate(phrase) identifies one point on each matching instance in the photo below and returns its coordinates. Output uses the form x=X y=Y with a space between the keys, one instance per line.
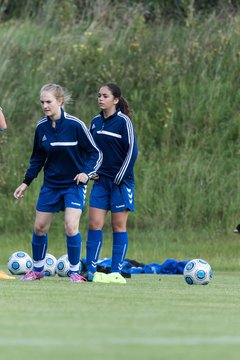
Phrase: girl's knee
x=71 y=228
x=40 y=229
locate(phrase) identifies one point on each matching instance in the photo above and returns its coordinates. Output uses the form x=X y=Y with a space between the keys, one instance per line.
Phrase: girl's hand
x=81 y=178
x=95 y=177
x=18 y=193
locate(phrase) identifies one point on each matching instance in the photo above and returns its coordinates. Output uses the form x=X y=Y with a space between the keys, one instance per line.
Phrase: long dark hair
x=122 y=104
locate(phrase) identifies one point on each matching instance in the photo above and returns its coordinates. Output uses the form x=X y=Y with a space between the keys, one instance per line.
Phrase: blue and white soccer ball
x=19 y=263
x=197 y=272
x=50 y=265
x=63 y=266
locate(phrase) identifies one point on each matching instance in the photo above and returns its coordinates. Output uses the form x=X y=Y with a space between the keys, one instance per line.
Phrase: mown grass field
x=151 y=317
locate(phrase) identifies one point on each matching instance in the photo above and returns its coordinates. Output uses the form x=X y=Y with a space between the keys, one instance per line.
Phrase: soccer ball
x=50 y=265
x=19 y=263
x=63 y=266
x=197 y=272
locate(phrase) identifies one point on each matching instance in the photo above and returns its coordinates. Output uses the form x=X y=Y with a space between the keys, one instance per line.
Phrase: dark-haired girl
x=113 y=188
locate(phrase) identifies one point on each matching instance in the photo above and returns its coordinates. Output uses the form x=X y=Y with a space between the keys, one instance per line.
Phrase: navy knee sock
x=74 y=245
x=119 y=250
x=39 y=249
x=94 y=244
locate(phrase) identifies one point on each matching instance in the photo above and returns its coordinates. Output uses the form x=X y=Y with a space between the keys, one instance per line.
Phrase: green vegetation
x=151 y=317
x=178 y=66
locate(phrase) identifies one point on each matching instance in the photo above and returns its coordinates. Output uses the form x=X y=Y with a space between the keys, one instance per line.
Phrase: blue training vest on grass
x=169 y=266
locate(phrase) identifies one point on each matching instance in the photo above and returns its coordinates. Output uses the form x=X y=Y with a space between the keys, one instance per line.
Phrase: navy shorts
x=106 y=195
x=54 y=200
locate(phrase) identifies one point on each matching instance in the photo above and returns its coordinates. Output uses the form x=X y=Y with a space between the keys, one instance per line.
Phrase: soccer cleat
x=237 y=229
x=75 y=277
x=116 y=278
x=4 y=276
x=100 y=277
x=88 y=275
x=33 y=275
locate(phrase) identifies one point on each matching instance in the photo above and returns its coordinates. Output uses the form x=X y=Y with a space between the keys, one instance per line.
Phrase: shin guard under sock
x=39 y=249
x=94 y=244
x=119 y=250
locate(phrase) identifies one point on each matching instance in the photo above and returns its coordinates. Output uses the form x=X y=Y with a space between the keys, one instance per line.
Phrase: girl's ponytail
x=122 y=104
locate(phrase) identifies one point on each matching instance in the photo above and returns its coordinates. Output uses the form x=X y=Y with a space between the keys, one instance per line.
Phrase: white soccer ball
x=19 y=263
x=50 y=265
x=197 y=272
x=63 y=266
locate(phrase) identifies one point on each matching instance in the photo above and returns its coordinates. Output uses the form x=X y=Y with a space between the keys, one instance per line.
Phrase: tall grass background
x=181 y=79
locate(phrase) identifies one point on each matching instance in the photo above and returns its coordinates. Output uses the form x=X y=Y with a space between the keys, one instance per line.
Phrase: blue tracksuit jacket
x=63 y=152
x=116 y=138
